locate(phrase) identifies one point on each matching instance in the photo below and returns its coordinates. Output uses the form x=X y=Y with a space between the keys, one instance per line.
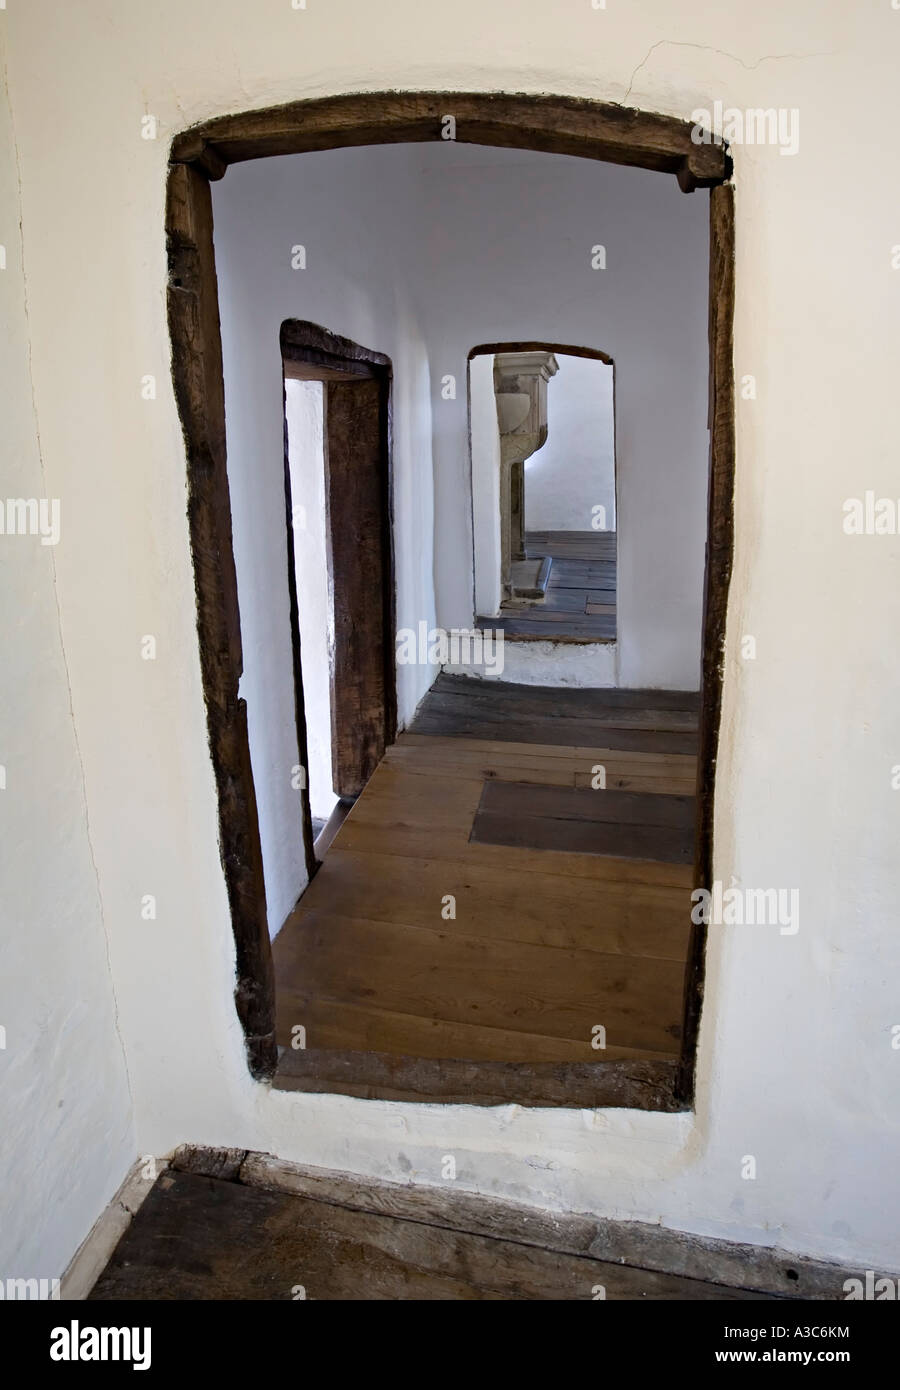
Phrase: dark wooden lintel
x=559 y=349
x=306 y=344
x=554 y=124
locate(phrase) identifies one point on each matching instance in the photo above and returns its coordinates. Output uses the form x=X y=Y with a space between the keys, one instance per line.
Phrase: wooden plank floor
x=656 y=722
x=580 y=603
x=202 y=1238
x=544 y=942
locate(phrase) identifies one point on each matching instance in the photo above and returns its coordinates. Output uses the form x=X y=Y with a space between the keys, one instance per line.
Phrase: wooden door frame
x=564 y=125
x=360 y=556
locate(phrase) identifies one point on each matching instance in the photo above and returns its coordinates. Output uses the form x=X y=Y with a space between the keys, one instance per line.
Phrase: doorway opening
x=542 y=438
x=457 y=789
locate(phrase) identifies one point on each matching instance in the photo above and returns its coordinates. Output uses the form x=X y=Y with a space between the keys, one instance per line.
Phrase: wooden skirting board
x=233 y=1224
x=92 y=1256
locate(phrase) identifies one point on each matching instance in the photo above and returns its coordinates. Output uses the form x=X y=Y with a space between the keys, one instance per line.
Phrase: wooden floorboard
x=571 y=700
x=486 y=901
x=394 y=836
x=503 y=904
x=441 y=720
x=449 y=975
x=484 y=703
x=542 y=764
x=659 y=722
x=203 y=1238
x=360 y=1028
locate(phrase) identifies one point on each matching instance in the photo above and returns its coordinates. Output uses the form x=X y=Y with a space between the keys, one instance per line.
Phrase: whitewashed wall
x=796 y=1064
x=574 y=471
x=66 y=1117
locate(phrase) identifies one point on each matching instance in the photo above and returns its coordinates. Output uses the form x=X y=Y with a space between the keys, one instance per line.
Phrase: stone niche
x=520 y=386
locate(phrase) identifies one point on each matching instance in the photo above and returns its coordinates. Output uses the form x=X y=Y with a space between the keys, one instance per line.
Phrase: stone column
x=520 y=385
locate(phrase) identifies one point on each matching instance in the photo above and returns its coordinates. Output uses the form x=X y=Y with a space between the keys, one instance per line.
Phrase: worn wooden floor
x=204 y=1238
x=580 y=603
x=487 y=900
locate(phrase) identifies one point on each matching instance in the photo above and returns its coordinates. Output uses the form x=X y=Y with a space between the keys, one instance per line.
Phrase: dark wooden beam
x=557 y=125
x=595 y=354
x=362 y=700
x=307 y=345
x=193 y=313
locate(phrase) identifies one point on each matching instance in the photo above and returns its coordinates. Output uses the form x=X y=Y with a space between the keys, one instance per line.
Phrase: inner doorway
x=542 y=440
x=337 y=482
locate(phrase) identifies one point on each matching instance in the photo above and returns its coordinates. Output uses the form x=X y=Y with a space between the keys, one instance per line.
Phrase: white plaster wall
x=356 y=284
x=574 y=471
x=304 y=402
x=796 y=1064
x=66 y=1122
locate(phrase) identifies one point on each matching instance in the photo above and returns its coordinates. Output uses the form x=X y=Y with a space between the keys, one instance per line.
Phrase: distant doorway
x=543 y=459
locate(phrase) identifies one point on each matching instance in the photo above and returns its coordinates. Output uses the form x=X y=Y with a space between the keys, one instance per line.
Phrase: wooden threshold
x=234 y=1224
x=448 y=1081
x=206 y=1238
